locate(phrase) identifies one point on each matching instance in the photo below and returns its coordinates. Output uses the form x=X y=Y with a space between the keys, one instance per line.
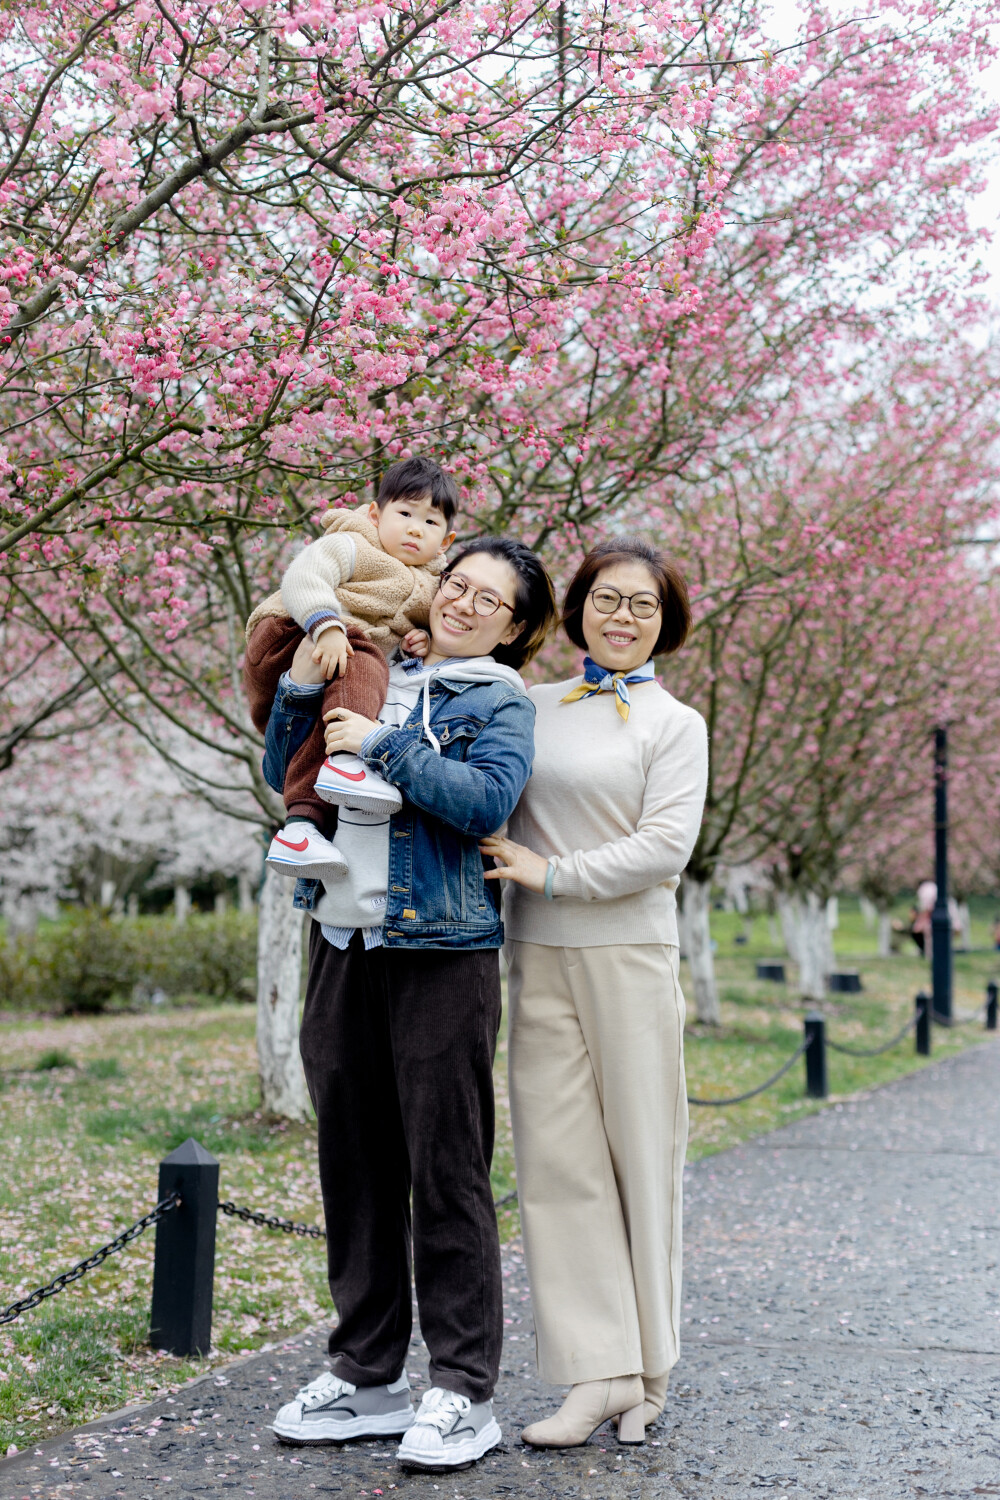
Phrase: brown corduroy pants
x=362 y=689
x=398 y=1046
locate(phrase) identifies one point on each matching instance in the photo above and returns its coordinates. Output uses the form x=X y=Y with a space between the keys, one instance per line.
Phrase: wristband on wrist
x=550 y=875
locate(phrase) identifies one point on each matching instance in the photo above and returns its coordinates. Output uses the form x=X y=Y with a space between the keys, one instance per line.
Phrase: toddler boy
x=357 y=592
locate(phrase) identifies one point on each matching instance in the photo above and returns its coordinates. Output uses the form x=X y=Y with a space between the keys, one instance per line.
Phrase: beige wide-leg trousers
x=599 y=1112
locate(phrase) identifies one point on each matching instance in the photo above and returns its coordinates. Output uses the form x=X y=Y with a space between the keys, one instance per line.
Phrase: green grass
x=89 y=1106
x=54 y=1058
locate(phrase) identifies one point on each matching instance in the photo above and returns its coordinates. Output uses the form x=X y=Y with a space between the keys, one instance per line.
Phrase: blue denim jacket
x=437 y=895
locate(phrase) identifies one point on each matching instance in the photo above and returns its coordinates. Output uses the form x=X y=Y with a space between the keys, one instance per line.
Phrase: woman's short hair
x=675 y=616
x=534 y=603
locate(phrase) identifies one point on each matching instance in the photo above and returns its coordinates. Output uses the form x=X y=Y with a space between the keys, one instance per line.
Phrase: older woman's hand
x=346 y=731
x=515 y=862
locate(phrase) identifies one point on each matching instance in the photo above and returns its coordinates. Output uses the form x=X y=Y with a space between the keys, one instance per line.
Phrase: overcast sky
x=986 y=211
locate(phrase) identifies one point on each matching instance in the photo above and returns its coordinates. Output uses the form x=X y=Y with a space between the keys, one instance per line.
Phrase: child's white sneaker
x=300 y=849
x=347 y=781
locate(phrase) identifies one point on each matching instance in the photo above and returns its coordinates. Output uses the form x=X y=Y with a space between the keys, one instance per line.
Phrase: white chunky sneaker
x=347 y=781
x=300 y=849
x=449 y=1432
x=331 y=1410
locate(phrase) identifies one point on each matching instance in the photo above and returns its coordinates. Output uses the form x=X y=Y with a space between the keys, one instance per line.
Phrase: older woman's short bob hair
x=675 y=619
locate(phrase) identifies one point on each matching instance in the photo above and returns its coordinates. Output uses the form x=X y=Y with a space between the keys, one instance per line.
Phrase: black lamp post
x=940 y=918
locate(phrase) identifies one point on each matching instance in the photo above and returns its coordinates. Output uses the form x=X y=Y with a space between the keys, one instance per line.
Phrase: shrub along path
x=842 y=1333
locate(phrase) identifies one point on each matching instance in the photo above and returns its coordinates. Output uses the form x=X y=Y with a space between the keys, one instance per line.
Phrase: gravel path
x=842 y=1342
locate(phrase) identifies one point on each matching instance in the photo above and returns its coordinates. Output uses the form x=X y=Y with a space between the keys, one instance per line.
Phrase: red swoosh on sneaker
x=348 y=775
x=297 y=847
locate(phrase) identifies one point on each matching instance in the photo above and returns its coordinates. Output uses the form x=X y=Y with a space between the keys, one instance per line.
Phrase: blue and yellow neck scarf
x=599 y=680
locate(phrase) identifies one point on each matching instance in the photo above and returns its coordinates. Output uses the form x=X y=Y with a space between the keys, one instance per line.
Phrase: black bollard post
x=184 y=1262
x=922 y=1005
x=991 y=1006
x=815 y=1029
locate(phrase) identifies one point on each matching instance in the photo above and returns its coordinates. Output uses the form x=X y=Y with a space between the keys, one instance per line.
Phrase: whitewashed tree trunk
x=814 y=946
x=788 y=915
x=869 y=915
x=965 y=925
x=108 y=889
x=697 y=920
x=21 y=913
x=244 y=888
x=182 y=904
x=279 y=967
x=885 y=934
x=221 y=903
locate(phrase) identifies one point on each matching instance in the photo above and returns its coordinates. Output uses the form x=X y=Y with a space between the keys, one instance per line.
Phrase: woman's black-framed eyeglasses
x=607 y=600
x=484 y=601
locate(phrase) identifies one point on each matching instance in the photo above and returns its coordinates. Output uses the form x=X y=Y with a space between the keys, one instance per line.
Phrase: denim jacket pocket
x=306 y=894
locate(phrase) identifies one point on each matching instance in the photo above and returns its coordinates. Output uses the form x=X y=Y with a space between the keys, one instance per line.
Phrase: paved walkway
x=842 y=1342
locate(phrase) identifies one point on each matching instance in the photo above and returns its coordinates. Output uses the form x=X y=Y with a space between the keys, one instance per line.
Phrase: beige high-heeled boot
x=655 y=1388
x=586 y=1407
x=655 y=1397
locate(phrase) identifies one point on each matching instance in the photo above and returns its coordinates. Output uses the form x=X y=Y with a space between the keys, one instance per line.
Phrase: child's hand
x=416 y=643
x=331 y=652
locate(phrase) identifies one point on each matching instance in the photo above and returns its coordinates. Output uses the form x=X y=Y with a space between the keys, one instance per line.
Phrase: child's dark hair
x=412 y=478
x=535 y=602
x=675 y=617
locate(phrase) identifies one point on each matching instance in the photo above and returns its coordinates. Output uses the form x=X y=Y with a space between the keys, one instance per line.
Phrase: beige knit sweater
x=346 y=571
x=619 y=806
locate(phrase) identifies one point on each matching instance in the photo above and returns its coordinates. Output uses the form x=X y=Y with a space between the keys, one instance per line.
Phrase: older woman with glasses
x=597 y=844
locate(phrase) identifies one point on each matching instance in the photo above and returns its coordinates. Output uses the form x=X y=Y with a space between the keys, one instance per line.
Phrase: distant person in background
x=920 y=917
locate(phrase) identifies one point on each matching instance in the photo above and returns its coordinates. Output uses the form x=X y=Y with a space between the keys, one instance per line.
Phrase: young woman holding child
x=598 y=1101
x=402 y=1010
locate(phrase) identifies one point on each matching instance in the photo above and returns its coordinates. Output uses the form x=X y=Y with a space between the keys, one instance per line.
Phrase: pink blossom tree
x=259 y=251
x=837 y=617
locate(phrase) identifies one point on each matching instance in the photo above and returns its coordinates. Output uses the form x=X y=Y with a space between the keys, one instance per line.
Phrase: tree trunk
x=788 y=915
x=814 y=946
x=697 y=909
x=965 y=925
x=279 y=967
x=885 y=934
x=182 y=904
x=684 y=946
x=245 y=889
x=21 y=913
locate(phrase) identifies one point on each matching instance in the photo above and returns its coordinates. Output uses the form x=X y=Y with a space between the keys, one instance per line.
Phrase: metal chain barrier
x=977 y=1015
x=59 y=1284
x=751 y=1093
x=877 y=1051
x=271 y=1221
x=289 y=1226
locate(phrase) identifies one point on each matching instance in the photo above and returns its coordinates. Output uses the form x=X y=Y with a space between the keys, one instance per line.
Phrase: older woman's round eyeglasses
x=608 y=600
x=483 y=601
